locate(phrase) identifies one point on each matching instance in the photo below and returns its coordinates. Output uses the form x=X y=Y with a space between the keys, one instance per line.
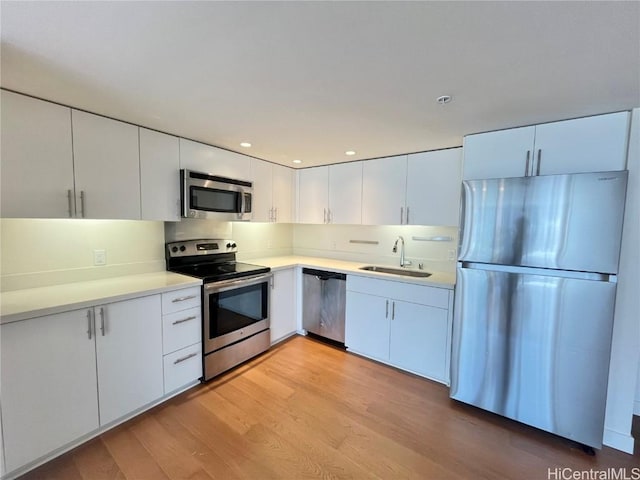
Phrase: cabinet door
x=107 y=167
x=433 y=187
x=216 y=161
x=384 y=183
x=591 y=144
x=498 y=154
x=345 y=193
x=419 y=339
x=129 y=355
x=159 y=176
x=261 y=177
x=49 y=395
x=313 y=195
x=367 y=325
x=37 y=161
x=283 y=181
x=282 y=311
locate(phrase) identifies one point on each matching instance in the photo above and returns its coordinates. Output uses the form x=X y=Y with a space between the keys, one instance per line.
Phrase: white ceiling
x=310 y=80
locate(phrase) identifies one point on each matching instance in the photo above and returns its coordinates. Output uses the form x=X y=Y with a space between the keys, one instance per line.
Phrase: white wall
x=257 y=240
x=337 y=241
x=625 y=348
x=40 y=252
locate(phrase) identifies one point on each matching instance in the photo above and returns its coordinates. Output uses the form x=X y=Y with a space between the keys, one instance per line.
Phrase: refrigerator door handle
x=547 y=272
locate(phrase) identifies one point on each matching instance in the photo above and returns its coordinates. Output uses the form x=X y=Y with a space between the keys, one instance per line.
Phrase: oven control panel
x=201 y=247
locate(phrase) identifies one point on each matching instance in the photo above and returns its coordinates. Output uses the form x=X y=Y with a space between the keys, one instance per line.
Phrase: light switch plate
x=99 y=257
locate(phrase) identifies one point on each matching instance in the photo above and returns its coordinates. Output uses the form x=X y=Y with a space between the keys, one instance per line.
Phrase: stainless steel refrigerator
x=534 y=301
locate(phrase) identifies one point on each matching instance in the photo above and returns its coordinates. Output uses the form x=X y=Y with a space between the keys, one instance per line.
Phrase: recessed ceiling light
x=443 y=99
x=245 y=144
x=349 y=152
x=297 y=161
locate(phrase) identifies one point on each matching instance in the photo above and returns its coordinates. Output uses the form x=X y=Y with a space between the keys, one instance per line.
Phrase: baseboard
x=636 y=407
x=619 y=441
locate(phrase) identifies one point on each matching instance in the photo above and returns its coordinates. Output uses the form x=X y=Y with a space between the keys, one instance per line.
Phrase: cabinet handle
x=275 y=214
x=539 y=161
x=186 y=357
x=82 y=197
x=407 y=215
x=70 y=201
x=177 y=322
x=401 y=214
x=329 y=216
x=386 y=313
x=102 y=323
x=393 y=310
x=89 y=323
x=526 y=167
x=324 y=215
x=182 y=299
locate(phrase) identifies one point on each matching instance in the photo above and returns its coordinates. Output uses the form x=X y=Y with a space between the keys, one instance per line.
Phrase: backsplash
x=435 y=247
x=41 y=252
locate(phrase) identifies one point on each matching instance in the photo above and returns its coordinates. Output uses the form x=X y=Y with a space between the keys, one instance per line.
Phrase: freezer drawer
x=323 y=303
x=534 y=348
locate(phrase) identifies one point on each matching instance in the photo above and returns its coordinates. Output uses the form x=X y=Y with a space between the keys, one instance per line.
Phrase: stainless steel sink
x=396 y=271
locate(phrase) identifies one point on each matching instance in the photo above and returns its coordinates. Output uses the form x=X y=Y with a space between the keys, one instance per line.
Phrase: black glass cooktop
x=215 y=272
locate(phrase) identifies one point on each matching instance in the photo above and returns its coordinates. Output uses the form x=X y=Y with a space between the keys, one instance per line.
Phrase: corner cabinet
x=66 y=375
x=282 y=314
x=272 y=192
x=589 y=144
x=405 y=325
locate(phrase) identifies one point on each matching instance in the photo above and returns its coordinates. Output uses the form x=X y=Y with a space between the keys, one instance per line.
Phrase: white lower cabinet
x=129 y=355
x=49 y=395
x=181 y=338
x=282 y=315
x=67 y=375
x=405 y=325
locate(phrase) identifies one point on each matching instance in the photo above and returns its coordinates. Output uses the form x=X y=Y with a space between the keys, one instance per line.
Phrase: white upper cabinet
x=283 y=198
x=216 y=161
x=37 y=159
x=272 y=192
x=505 y=153
x=159 y=176
x=433 y=187
x=313 y=194
x=384 y=183
x=589 y=144
x=107 y=167
x=345 y=193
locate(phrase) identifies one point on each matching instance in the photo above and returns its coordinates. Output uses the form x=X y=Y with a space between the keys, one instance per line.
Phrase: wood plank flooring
x=308 y=410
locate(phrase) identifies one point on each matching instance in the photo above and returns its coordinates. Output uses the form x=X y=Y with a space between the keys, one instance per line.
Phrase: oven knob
x=228 y=245
x=174 y=249
x=182 y=248
x=233 y=245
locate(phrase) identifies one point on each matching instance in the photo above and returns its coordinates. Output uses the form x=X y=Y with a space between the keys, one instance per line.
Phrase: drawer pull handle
x=186 y=357
x=183 y=320
x=182 y=299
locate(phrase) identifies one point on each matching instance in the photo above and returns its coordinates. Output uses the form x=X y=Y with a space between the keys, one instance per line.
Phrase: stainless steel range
x=235 y=301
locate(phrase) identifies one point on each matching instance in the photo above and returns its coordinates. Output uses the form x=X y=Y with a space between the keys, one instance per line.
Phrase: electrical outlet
x=333 y=245
x=99 y=257
x=452 y=254
x=269 y=243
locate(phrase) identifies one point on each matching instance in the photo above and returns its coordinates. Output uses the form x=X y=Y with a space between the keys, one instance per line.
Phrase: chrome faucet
x=403 y=262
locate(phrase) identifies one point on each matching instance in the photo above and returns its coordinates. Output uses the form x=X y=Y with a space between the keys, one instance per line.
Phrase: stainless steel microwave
x=205 y=195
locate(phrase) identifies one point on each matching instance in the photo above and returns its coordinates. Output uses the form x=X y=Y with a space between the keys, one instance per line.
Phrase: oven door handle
x=230 y=284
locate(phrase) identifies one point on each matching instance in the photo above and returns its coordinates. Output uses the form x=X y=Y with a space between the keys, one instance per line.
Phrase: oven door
x=235 y=310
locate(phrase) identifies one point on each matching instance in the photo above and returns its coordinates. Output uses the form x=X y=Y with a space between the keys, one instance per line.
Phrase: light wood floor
x=308 y=410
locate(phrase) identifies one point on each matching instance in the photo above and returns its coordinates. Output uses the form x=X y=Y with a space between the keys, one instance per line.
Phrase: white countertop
x=437 y=279
x=35 y=302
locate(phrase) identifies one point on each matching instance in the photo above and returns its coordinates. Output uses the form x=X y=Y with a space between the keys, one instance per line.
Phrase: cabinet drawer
x=182 y=367
x=180 y=300
x=181 y=329
x=408 y=292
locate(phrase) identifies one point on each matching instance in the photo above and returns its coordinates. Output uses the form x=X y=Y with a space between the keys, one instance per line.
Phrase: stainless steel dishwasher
x=323 y=303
